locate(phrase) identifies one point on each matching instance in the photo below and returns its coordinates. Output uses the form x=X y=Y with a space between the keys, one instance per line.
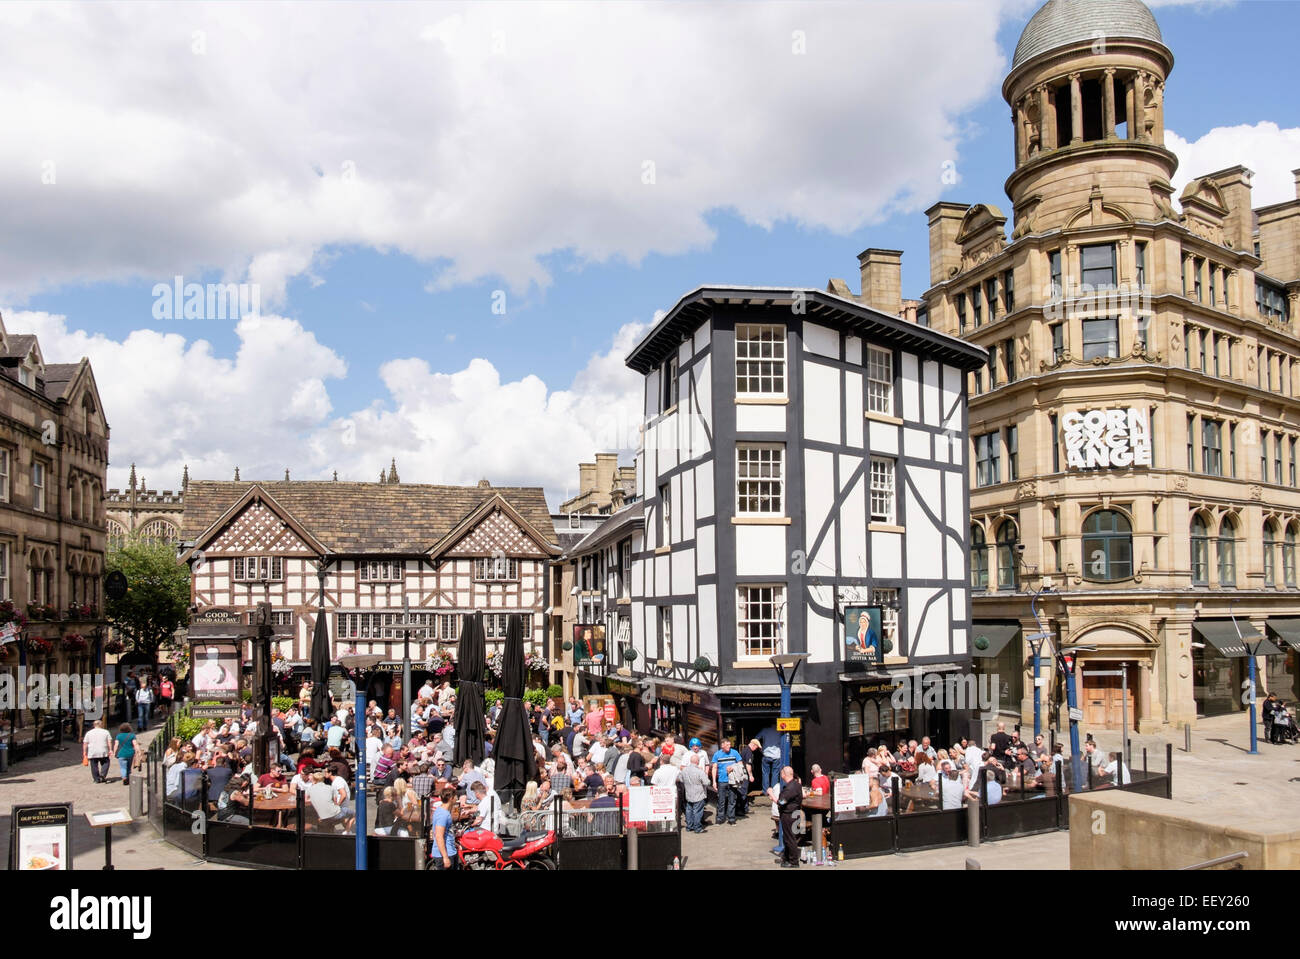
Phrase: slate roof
x=57 y=378
x=1059 y=23
x=366 y=517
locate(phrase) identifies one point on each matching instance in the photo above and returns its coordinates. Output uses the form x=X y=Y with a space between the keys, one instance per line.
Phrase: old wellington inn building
x=356 y=552
x=804 y=460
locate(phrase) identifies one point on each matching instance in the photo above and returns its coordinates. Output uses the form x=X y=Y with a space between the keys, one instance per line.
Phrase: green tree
x=157 y=597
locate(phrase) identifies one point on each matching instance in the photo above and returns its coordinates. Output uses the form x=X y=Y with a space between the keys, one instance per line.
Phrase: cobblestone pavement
x=1219 y=772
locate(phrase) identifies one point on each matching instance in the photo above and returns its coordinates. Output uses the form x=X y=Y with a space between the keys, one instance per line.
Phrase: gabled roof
x=618 y=526
x=695 y=307
x=58 y=377
x=366 y=518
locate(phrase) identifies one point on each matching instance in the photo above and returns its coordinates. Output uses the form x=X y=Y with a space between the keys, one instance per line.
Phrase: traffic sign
x=790 y=724
x=1076 y=714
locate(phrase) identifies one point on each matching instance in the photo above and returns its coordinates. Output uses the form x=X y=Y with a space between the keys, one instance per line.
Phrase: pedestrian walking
x=143 y=706
x=95 y=748
x=124 y=750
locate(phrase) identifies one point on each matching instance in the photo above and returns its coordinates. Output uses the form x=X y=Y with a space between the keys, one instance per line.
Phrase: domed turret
x=1086 y=89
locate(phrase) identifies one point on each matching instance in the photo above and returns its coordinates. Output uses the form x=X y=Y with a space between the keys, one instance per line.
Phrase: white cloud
x=480 y=137
x=1271 y=152
x=173 y=402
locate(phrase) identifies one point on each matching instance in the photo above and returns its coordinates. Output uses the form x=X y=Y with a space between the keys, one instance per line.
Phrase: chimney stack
x=1238 y=226
x=882 y=280
x=945 y=223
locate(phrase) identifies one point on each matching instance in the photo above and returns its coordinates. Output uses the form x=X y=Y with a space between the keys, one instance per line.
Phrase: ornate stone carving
x=1256 y=492
x=1180 y=483
x=1028 y=490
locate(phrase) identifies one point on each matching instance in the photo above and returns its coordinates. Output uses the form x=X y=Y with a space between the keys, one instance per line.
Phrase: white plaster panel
x=853 y=521
x=916 y=443
x=910 y=387
x=821 y=403
x=709 y=622
x=702 y=336
x=652 y=393
x=958 y=599
x=681 y=631
x=930 y=394
x=924 y=541
x=663 y=585
x=683 y=570
x=704 y=505
x=760 y=419
x=685 y=351
x=706 y=549
x=931 y=637
x=853 y=410
x=884 y=439
x=760 y=550
x=819 y=504
x=687 y=494
x=886 y=556
x=960 y=641
x=821 y=628
x=818 y=339
x=853 y=350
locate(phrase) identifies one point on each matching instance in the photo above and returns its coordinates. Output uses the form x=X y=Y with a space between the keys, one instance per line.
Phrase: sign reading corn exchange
x=1107 y=439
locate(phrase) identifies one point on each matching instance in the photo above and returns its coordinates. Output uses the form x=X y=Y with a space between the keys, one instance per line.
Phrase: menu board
x=651 y=803
x=40 y=837
x=852 y=792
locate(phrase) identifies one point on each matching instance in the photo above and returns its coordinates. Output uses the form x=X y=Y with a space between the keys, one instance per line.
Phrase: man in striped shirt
x=385 y=768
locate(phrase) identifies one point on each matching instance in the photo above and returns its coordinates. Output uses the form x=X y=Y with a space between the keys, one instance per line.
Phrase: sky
x=454 y=221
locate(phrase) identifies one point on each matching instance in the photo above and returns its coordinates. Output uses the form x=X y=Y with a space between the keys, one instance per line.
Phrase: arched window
x=116 y=535
x=1008 y=555
x=158 y=531
x=1288 y=555
x=1107 y=546
x=1200 y=551
x=1227 y=547
x=1270 y=549
x=979 y=558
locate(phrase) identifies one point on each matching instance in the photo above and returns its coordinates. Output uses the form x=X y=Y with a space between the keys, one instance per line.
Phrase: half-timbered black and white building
x=801 y=454
x=445 y=550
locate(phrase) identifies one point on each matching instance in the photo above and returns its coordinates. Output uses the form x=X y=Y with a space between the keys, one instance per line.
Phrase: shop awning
x=997 y=634
x=1222 y=635
x=1285 y=630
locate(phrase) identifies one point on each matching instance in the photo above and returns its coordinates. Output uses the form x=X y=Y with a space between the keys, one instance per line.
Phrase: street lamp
x=355 y=667
x=1036 y=641
x=1066 y=657
x=781 y=663
x=1258 y=640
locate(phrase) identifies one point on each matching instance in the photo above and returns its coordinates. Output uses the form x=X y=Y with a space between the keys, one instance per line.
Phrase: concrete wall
x=1121 y=830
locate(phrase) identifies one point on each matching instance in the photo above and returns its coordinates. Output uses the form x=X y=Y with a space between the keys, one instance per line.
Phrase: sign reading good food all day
x=1107 y=439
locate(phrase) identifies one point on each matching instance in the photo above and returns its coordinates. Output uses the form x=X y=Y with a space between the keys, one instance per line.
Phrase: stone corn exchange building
x=1134 y=435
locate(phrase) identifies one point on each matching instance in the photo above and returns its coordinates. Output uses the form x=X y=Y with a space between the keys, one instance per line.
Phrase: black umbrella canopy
x=471 y=730
x=320 y=669
x=515 y=760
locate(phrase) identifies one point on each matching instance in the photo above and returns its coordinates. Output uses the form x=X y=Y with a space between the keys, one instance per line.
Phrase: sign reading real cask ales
x=1107 y=439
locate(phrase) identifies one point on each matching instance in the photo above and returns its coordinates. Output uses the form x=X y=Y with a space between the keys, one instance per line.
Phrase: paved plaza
x=1218 y=773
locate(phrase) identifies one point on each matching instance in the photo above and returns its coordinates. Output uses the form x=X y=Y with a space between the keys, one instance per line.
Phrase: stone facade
x=603 y=486
x=1104 y=298
x=53 y=463
x=149 y=514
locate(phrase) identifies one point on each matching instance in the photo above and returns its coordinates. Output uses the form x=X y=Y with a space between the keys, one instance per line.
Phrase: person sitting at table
x=1115 y=771
x=339 y=766
x=1046 y=780
x=219 y=774
x=819 y=783
x=232 y=800
x=385 y=813
x=951 y=789
x=330 y=813
x=274 y=779
x=992 y=788
x=301 y=779
x=926 y=774
x=1024 y=765
x=307 y=760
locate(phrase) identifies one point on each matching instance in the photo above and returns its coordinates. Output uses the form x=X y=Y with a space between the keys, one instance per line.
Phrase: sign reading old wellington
x=1107 y=439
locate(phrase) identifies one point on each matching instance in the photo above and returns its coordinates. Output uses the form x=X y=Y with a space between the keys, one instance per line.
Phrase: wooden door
x=1103 y=701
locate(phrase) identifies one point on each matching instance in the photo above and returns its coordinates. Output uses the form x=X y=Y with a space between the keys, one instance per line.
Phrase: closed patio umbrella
x=512 y=752
x=470 y=728
x=320 y=670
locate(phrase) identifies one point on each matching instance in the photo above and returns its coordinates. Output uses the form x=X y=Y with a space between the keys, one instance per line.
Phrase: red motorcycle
x=484 y=849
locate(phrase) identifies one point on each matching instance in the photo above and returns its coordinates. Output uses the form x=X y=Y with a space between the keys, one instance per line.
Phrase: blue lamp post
x=356 y=667
x=782 y=663
x=1250 y=681
x=1067 y=656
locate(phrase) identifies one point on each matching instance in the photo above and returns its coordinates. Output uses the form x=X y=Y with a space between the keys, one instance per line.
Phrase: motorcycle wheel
x=544 y=863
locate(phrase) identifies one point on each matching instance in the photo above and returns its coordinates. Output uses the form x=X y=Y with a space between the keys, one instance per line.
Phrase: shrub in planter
x=554 y=691
x=535 y=697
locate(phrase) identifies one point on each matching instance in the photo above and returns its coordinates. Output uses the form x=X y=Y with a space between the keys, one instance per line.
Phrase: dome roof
x=1062 y=22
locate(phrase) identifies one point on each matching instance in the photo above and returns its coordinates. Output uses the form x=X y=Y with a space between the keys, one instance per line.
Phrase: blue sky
x=362 y=295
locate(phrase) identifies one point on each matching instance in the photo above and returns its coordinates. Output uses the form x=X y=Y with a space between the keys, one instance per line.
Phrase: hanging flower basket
x=79 y=611
x=40 y=646
x=114 y=647
x=281 y=667
x=73 y=643
x=440 y=664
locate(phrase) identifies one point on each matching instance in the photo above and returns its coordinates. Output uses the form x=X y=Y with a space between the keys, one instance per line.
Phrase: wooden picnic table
x=274 y=808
